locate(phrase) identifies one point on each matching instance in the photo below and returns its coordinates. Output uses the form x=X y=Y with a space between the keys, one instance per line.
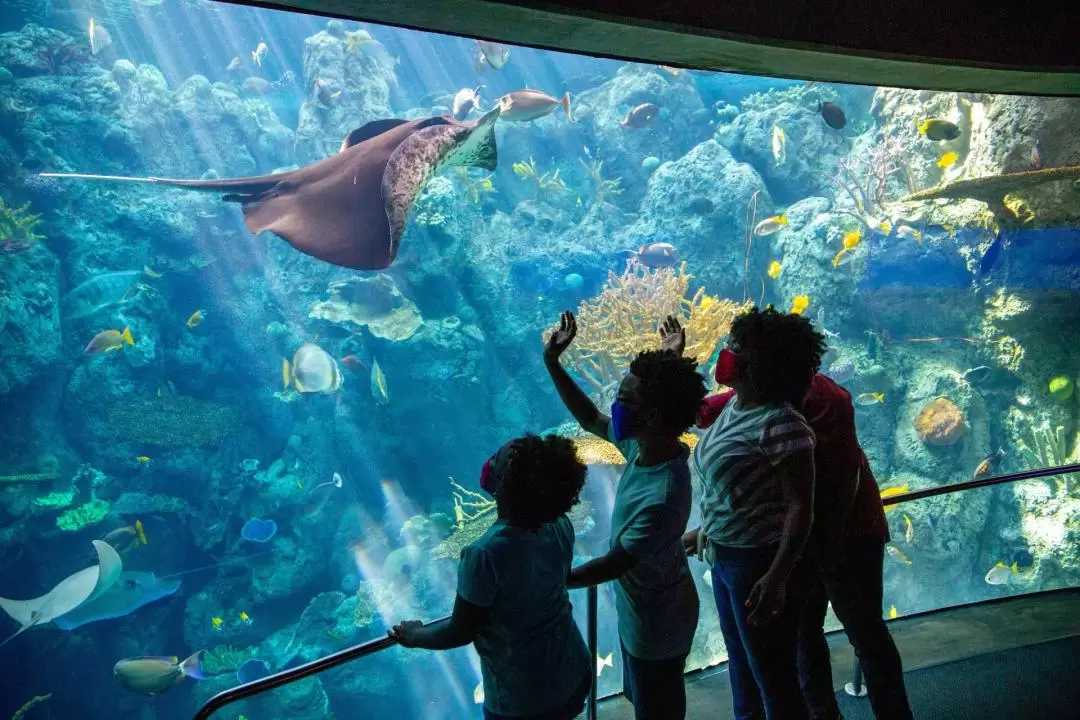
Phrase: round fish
x=465 y=102
x=314 y=371
x=937 y=129
x=833 y=115
x=658 y=255
x=494 y=54
x=640 y=116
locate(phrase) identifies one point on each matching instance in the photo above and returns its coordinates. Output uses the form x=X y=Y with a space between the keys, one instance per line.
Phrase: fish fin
x=126 y=336
x=285 y=373
x=368 y=131
x=565 y=102
x=421 y=155
x=192 y=666
x=783 y=219
x=1015 y=567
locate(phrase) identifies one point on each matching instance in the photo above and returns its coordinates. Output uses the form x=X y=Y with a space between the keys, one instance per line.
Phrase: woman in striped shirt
x=756 y=467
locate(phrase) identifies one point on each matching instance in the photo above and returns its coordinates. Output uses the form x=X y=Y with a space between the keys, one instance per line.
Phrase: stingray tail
x=21 y=630
x=247 y=185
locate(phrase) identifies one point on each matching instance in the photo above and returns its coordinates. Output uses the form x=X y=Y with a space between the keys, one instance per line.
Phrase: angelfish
x=350 y=209
x=155 y=675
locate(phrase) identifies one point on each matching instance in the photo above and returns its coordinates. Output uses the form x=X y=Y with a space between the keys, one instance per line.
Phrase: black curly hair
x=671 y=385
x=542 y=480
x=781 y=351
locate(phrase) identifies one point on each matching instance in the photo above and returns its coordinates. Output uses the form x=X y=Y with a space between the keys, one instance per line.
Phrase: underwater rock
x=707 y=171
x=30 y=334
x=363 y=75
x=373 y=302
x=37 y=50
x=940 y=422
x=172 y=421
x=841 y=371
x=812 y=149
x=672 y=134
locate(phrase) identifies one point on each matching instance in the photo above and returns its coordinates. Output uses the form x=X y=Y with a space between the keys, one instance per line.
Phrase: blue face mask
x=624 y=421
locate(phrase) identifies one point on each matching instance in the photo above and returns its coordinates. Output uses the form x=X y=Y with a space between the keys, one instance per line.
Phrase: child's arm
x=611 y=566
x=461 y=629
x=576 y=401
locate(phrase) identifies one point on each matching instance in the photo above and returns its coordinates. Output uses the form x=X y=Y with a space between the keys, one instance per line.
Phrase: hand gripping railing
x=314 y=667
x=856 y=687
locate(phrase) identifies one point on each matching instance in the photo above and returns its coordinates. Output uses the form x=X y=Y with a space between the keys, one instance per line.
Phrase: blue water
x=191 y=432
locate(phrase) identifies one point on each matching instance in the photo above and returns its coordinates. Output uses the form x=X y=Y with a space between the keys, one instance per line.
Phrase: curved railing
x=314 y=667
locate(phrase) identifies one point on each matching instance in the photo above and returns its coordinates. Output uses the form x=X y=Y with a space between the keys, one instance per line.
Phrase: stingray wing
x=419 y=157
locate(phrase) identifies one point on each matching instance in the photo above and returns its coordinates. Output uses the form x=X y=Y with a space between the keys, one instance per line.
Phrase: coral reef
x=940 y=422
x=83 y=516
x=623 y=320
x=546 y=186
x=221 y=659
x=373 y=302
x=997 y=190
x=172 y=421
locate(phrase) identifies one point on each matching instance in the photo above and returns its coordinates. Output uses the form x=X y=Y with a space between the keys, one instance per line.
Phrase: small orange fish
x=1036 y=156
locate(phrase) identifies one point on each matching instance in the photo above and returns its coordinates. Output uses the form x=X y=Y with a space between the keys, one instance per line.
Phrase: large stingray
x=350 y=209
x=71 y=592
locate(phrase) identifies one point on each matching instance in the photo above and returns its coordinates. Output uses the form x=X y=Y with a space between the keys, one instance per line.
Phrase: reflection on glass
x=265 y=437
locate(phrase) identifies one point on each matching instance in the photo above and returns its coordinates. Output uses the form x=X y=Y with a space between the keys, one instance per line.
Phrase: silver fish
x=155 y=675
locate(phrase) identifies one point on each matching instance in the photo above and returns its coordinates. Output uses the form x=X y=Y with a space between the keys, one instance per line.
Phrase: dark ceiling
x=1029 y=48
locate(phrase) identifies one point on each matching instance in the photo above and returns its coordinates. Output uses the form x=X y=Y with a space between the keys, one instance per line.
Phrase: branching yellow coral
x=546 y=184
x=625 y=318
x=592 y=450
x=469 y=526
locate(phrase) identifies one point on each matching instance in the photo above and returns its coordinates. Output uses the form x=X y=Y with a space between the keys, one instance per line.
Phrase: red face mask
x=724 y=373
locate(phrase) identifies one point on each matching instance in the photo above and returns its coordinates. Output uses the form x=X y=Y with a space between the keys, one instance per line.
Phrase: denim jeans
x=655 y=688
x=854 y=586
x=762 y=658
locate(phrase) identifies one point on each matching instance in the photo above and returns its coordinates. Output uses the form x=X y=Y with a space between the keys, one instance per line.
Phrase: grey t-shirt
x=656 y=600
x=532 y=655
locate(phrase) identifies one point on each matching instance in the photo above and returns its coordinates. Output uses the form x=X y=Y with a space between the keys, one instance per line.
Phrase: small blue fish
x=991 y=255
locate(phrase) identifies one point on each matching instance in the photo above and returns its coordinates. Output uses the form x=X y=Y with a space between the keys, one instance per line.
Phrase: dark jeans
x=655 y=687
x=854 y=586
x=762 y=658
x=567 y=711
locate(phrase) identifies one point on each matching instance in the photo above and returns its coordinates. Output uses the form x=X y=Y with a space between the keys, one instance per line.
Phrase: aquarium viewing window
x=253 y=358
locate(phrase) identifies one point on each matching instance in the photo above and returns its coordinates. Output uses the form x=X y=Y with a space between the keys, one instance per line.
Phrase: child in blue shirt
x=512 y=602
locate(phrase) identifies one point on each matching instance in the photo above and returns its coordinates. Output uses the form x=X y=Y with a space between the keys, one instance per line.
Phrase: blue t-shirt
x=532 y=655
x=656 y=600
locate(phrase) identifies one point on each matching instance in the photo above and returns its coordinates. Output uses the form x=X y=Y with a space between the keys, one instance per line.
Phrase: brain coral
x=940 y=422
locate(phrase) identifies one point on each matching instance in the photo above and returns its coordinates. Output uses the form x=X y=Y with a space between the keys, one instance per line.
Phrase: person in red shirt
x=850 y=532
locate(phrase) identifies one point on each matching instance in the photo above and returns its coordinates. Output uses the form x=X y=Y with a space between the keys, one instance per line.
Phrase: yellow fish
x=245 y=618
x=139 y=532
x=602 y=662
x=216 y=622
x=893 y=492
x=896 y=554
x=770 y=225
x=799 y=304
x=775 y=268
x=478 y=693
x=869 y=398
x=892 y=612
x=851 y=241
x=109 y=340
x=1001 y=573
x=909 y=529
x=142 y=459
x=379 y=391
x=779 y=145
x=195 y=320
x=947 y=159
x=885 y=226
x=259 y=53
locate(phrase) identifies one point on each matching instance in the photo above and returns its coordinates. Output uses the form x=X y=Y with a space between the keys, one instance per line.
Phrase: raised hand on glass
x=562 y=337
x=672 y=335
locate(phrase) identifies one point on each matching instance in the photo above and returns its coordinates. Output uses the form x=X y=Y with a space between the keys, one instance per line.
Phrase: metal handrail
x=314 y=667
x=981 y=482
x=284 y=677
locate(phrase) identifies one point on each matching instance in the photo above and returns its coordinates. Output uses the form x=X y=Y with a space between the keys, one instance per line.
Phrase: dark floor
x=979 y=661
